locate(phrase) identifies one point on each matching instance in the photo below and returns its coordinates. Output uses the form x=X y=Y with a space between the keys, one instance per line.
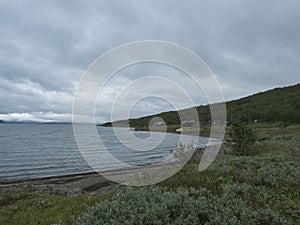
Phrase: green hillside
x=276 y=105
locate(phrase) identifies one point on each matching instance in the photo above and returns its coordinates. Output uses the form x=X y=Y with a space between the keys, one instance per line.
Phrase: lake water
x=44 y=150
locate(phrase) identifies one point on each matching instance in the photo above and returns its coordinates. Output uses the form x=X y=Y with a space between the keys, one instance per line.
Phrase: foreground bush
x=154 y=206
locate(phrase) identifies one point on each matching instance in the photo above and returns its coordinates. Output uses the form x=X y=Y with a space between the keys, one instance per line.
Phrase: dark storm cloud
x=45 y=46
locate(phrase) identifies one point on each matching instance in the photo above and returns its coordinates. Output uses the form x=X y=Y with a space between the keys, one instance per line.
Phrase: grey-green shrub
x=271 y=170
x=155 y=206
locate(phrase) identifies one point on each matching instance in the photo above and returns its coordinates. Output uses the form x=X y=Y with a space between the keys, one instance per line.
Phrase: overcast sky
x=45 y=47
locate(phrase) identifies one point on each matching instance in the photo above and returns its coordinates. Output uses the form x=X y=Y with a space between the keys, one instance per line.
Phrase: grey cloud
x=249 y=45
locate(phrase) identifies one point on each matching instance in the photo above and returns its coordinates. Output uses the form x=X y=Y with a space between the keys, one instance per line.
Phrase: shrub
x=182 y=152
x=241 y=137
x=271 y=170
x=155 y=206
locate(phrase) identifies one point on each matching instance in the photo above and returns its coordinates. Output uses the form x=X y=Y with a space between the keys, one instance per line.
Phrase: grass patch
x=38 y=208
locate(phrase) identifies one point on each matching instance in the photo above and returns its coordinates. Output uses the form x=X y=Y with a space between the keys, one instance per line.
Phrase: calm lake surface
x=44 y=150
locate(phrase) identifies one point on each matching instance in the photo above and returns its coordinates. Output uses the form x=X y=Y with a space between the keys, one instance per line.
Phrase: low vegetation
x=183 y=206
x=259 y=187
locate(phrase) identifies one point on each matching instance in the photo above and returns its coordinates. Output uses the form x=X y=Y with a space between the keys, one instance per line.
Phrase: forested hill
x=276 y=105
x=279 y=104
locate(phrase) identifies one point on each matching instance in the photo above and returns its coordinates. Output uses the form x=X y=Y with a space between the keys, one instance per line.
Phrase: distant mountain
x=276 y=105
x=19 y=122
x=32 y=122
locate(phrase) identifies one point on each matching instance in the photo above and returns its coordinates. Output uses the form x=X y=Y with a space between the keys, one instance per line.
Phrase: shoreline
x=89 y=182
x=65 y=176
x=86 y=182
x=143 y=129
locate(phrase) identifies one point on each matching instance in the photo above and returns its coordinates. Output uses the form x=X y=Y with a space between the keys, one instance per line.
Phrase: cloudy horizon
x=45 y=48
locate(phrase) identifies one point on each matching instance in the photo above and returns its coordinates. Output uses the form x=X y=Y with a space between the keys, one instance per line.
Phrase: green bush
x=241 y=137
x=155 y=206
x=272 y=170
